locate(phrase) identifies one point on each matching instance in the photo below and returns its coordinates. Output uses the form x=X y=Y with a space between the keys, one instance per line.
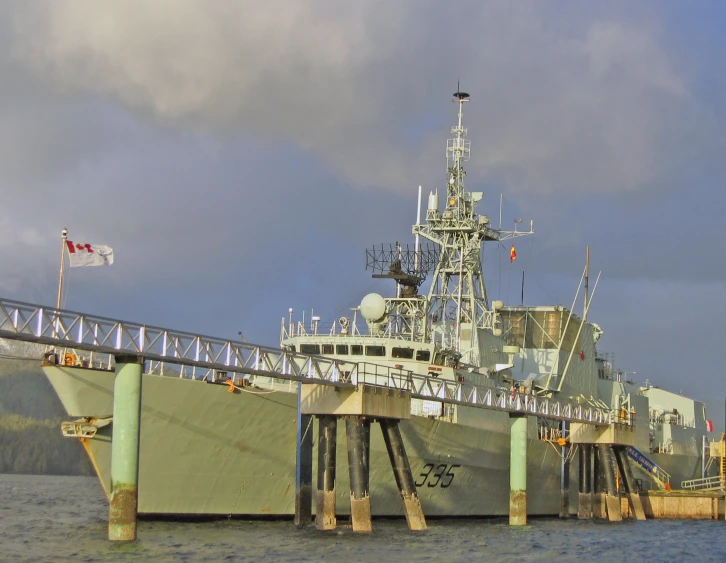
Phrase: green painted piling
x=518 y=470
x=124 y=497
x=565 y=475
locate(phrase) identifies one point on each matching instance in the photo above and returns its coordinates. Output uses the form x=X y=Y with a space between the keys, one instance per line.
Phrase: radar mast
x=457 y=299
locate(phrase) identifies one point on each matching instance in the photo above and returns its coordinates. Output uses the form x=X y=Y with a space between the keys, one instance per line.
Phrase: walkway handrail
x=653 y=469
x=704 y=483
x=62 y=328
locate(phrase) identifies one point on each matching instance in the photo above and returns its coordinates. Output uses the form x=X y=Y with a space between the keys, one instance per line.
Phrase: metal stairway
x=658 y=474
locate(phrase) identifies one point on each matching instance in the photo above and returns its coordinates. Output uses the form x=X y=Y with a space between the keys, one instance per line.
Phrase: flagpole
x=64 y=238
x=587 y=280
x=521 y=303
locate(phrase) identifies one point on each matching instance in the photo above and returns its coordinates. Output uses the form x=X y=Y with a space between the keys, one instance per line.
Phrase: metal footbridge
x=68 y=329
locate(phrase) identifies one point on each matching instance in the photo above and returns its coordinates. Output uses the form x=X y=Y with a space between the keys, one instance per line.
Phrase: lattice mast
x=457 y=298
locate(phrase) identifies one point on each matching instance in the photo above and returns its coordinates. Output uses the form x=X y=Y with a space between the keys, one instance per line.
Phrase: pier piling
x=584 y=498
x=124 y=494
x=565 y=475
x=358 y=431
x=612 y=499
x=518 y=470
x=626 y=471
x=402 y=472
x=325 y=508
x=303 y=465
x=599 y=486
x=594 y=483
x=359 y=406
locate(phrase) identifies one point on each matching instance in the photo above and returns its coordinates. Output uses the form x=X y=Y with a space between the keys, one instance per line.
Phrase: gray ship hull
x=207 y=452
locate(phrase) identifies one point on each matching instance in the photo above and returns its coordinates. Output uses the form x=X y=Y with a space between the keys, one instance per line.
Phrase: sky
x=241 y=156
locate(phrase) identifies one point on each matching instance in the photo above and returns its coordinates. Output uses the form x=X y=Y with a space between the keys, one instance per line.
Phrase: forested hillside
x=30 y=418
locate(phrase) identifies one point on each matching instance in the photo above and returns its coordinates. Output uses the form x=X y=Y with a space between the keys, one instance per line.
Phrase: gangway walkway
x=713 y=483
x=658 y=474
x=717 y=449
x=61 y=328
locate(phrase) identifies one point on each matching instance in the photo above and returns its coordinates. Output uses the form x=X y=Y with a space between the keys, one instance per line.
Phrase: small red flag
x=512 y=254
x=709 y=425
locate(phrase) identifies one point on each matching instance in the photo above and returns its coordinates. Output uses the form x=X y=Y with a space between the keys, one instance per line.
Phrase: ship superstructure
x=453 y=324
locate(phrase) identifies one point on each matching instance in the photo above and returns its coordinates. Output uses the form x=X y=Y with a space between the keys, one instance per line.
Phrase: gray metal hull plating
x=205 y=451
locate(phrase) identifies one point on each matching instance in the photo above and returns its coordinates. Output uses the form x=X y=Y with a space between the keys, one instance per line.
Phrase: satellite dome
x=373 y=307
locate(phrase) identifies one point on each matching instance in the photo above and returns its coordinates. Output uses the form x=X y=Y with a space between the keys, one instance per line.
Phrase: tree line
x=30 y=419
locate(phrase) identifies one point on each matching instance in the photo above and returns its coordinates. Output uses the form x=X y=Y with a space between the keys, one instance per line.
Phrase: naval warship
x=207 y=452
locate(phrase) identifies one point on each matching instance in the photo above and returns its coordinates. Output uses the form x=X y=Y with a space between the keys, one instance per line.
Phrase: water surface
x=48 y=518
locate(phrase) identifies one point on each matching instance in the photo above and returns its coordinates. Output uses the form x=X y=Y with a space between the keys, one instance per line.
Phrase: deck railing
x=68 y=329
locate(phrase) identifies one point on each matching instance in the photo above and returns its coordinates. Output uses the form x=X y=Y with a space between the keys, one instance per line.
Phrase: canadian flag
x=89 y=254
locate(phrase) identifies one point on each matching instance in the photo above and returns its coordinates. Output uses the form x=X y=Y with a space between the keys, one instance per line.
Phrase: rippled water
x=46 y=518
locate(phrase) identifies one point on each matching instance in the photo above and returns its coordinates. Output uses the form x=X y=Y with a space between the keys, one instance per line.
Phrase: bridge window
x=403 y=353
x=341 y=349
x=327 y=348
x=375 y=350
x=423 y=355
x=310 y=348
x=356 y=349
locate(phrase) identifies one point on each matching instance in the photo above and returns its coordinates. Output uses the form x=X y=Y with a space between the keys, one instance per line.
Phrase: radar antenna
x=405 y=265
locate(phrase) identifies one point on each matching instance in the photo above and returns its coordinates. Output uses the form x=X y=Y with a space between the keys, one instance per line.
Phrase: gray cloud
x=239 y=156
x=570 y=101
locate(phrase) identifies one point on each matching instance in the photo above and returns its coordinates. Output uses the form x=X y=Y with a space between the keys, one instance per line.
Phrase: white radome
x=373 y=307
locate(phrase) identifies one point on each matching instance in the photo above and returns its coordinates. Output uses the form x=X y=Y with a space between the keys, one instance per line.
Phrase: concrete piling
x=518 y=470
x=327 y=438
x=359 y=406
x=599 y=487
x=124 y=495
x=612 y=498
x=358 y=436
x=402 y=472
x=584 y=499
x=593 y=487
x=303 y=465
x=627 y=473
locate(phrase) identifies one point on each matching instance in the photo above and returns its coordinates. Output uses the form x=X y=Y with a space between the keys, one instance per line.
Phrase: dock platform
x=679 y=505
